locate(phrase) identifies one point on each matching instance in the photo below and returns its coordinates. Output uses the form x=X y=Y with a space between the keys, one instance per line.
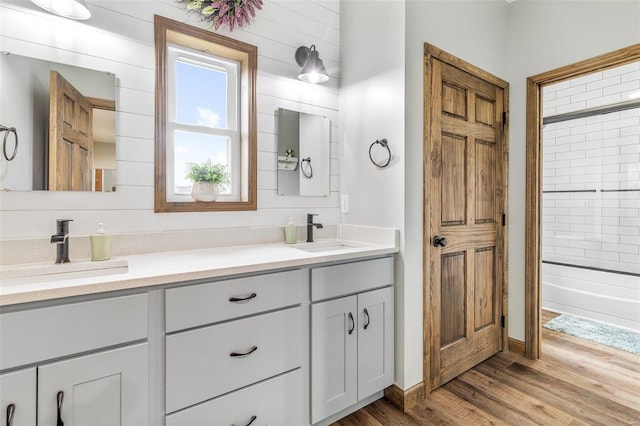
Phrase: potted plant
x=206 y=178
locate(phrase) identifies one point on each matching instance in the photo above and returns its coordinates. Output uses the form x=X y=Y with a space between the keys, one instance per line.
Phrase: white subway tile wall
x=599 y=153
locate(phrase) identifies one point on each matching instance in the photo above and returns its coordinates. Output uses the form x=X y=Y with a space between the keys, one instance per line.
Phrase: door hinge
x=504 y=219
x=502 y=320
x=504 y=119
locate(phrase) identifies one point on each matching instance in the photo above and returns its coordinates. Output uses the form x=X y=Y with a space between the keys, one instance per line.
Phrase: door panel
x=484 y=291
x=485 y=181
x=464 y=196
x=452 y=297
x=453 y=176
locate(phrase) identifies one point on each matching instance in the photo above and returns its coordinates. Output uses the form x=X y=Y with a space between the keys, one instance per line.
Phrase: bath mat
x=610 y=335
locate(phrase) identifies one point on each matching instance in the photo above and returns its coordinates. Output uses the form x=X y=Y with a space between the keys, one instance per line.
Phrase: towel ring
x=9 y=130
x=308 y=173
x=385 y=162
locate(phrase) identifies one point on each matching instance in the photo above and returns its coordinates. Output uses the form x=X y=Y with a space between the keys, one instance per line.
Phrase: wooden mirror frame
x=169 y=31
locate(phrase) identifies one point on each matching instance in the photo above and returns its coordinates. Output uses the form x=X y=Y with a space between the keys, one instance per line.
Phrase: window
x=205 y=109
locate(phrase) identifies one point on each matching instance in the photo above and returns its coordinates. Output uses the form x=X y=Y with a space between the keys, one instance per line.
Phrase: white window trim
x=231 y=68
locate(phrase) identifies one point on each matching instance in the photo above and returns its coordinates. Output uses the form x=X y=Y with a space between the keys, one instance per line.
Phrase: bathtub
x=602 y=296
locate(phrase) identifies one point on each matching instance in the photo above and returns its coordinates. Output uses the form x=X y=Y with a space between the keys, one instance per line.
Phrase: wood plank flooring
x=575 y=382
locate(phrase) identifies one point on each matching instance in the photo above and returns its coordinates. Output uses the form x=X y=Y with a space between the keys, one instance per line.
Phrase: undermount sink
x=42 y=272
x=324 y=246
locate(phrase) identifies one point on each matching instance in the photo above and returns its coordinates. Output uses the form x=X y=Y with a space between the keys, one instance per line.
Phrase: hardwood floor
x=575 y=382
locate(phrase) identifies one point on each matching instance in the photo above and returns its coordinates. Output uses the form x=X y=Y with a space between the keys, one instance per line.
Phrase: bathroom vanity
x=261 y=334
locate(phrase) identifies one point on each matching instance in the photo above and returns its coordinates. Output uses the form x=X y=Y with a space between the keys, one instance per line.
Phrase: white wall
x=119 y=38
x=372 y=108
x=543 y=36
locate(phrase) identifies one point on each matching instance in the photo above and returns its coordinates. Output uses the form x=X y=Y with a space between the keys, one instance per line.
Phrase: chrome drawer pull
x=368 y=319
x=251 y=420
x=11 y=409
x=235 y=354
x=242 y=299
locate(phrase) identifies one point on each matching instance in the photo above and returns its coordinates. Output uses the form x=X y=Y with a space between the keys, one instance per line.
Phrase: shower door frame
x=533 y=220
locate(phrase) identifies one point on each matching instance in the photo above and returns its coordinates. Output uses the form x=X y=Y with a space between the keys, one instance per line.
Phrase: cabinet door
x=104 y=389
x=375 y=341
x=334 y=344
x=18 y=389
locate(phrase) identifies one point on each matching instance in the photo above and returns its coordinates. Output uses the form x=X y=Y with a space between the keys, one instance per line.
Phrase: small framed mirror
x=303 y=161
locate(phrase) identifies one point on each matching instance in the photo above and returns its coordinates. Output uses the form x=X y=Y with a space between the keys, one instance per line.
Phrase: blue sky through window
x=201 y=99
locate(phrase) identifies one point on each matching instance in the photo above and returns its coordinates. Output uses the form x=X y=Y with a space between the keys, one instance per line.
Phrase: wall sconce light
x=73 y=9
x=312 y=70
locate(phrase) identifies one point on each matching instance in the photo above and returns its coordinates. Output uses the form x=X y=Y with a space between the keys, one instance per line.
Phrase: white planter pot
x=205 y=191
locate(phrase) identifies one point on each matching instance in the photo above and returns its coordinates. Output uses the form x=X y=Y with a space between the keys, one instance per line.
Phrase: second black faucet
x=310 y=226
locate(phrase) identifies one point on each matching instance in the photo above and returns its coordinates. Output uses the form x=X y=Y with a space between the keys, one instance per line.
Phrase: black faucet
x=310 y=226
x=61 y=238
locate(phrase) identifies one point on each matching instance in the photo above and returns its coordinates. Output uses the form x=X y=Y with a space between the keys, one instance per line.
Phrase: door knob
x=439 y=241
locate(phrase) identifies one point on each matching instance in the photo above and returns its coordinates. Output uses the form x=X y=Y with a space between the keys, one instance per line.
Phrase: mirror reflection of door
x=70 y=137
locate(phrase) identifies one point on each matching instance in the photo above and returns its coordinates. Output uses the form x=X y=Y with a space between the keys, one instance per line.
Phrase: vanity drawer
x=199 y=365
x=40 y=334
x=277 y=401
x=334 y=281
x=202 y=304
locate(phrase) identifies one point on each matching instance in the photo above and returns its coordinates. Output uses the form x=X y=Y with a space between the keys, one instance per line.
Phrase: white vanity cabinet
x=239 y=358
x=88 y=360
x=352 y=328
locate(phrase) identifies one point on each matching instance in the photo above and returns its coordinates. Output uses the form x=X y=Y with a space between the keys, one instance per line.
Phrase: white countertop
x=145 y=270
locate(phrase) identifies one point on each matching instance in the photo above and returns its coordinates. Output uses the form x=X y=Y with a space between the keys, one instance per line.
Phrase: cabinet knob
x=366 y=314
x=59 y=398
x=353 y=323
x=11 y=409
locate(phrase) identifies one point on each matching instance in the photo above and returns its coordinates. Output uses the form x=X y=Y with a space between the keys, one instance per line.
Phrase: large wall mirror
x=304 y=143
x=64 y=119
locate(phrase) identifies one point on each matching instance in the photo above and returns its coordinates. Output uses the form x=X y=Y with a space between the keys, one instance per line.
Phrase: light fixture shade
x=313 y=70
x=72 y=9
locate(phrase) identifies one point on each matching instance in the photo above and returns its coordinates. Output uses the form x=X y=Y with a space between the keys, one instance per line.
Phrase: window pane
x=193 y=147
x=201 y=94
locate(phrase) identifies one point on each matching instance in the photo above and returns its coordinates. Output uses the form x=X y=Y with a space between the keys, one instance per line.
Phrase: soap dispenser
x=290 y=232
x=100 y=244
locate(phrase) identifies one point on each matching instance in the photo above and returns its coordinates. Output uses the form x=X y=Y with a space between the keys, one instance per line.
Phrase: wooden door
x=375 y=341
x=334 y=357
x=465 y=197
x=103 y=389
x=70 y=137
